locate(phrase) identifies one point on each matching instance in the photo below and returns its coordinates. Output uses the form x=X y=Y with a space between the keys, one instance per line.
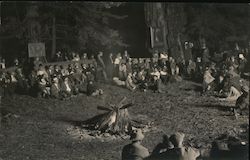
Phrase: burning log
x=116 y=120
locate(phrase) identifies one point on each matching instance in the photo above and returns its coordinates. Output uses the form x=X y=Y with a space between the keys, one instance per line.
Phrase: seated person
x=43 y=89
x=50 y=70
x=36 y=63
x=118 y=82
x=57 y=71
x=64 y=70
x=76 y=58
x=123 y=71
x=55 y=88
x=219 y=83
x=78 y=76
x=208 y=80
x=233 y=94
x=164 y=75
x=179 y=152
x=158 y=86
x=22 y=83
x=71 y=69
x=232 y=88
x=9 y=83
x=141 y=80
x=175 y=77
x=66 y=88
x=162 y=147
x=231 y=71
x=92 y=89
x=242 y=103
x=129 y=82
x=156 y=72
x=41 y=71
x=84 y=68
x=134 y=150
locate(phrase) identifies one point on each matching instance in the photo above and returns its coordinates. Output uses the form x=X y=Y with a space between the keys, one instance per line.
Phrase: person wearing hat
x=134 y=150
x=242 y=103
x=163 y=146
x=179 y=151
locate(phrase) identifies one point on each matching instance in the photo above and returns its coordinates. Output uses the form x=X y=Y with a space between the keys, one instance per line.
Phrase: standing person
x=117 y=64
x=191 y=68
x=110 y=66
x=125 y=56
x=205 y=57
x=101 y=65
x=134 y=150
x=188 y=51
x=242 y=63
x=199 y=70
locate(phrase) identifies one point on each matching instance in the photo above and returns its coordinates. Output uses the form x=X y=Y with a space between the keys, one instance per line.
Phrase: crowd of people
x=63 y=80
x=173 y=148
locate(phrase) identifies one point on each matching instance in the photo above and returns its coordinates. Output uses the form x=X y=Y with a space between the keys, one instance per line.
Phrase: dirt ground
x=39 y=129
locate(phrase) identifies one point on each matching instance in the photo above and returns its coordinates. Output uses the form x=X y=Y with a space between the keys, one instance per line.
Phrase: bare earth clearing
x=39 y=129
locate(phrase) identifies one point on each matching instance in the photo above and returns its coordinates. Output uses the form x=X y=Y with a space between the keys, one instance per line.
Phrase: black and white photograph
x=102 y=80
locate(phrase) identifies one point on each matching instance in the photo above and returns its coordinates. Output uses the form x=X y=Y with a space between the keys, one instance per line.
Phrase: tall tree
x=83 y=25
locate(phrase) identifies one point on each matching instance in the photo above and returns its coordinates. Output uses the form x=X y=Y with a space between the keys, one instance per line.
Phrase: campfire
x=116 y=119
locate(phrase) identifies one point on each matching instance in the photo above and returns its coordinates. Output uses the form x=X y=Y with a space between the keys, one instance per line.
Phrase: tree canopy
x=79 y=25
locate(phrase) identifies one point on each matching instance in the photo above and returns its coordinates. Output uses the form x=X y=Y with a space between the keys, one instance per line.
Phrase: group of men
x=132 y=73
x=172 y=148
x=59 y=80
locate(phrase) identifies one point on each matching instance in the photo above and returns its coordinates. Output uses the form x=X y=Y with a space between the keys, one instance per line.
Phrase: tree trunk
x=0 y=38
x=53 y=50
x=34 y=28
x=180 y=46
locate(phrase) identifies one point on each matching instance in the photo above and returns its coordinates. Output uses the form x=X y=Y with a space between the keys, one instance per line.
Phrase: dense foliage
x=85 y=26
x=78 y=25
